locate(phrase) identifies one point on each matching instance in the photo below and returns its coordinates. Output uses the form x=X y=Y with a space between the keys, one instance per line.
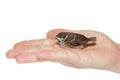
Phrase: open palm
x=104 y=55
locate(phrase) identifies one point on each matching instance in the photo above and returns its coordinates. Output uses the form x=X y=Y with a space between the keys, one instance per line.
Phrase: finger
x=14 y=52
x=25 y=47
x=43 y=55
x=35 y=43
x=29 y=43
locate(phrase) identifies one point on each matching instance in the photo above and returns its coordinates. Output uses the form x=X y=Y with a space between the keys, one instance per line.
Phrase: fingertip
x=10 y=54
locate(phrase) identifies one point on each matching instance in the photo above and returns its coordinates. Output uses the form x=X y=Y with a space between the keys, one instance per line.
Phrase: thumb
x=54 y=32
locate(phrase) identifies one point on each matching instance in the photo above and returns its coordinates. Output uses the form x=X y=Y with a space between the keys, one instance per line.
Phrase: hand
x=104 y=55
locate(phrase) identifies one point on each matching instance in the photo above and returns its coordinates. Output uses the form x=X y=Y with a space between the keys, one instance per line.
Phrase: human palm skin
x=104 y=55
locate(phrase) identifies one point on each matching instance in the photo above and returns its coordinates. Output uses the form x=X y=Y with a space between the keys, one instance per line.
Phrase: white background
x=31 y=19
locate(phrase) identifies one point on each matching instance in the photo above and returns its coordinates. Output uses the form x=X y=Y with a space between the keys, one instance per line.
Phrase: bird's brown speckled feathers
x=70 y=39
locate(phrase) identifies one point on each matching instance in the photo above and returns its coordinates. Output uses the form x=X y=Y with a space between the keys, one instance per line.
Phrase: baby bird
x=74 y=40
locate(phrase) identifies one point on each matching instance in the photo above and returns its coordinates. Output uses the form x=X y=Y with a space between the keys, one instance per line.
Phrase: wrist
x=116 y=66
